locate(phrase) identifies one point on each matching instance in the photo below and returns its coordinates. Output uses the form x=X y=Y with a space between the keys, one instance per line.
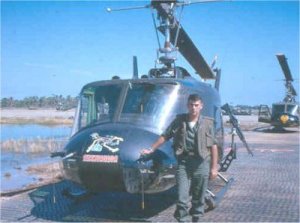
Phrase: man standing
x=196 y=152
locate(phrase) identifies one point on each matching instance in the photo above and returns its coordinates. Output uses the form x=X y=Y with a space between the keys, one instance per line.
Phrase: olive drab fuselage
x=105 y=148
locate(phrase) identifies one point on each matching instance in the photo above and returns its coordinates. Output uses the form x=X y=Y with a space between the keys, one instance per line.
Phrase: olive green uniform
x=192 y=147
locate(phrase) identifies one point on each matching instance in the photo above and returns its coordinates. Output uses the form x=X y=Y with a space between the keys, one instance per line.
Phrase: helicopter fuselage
x=285 y=115
x=115 y=119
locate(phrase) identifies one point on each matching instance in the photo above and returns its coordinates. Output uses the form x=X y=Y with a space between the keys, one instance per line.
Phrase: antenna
x=218 y=78
x=135 y=68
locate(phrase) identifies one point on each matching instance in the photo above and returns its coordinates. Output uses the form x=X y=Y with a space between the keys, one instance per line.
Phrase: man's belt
x=181 y=151
x=189 y=153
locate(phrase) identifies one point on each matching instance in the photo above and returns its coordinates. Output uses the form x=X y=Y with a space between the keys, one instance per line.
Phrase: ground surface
x=36 y=116
x=265 y=189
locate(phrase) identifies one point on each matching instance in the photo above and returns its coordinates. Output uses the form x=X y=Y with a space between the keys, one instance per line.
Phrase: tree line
x=33 y=102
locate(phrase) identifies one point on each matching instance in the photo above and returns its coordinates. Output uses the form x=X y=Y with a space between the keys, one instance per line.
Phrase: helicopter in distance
x=115 y=118
x=286 y=112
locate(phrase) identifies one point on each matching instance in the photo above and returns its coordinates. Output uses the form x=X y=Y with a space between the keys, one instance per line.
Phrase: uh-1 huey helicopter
x=285 y=113
x=116 y=118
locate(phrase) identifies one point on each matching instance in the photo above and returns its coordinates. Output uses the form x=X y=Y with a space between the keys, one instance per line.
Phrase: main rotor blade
x=190 y=52
x=186 y=46
x=293 y=91
x=284 y=66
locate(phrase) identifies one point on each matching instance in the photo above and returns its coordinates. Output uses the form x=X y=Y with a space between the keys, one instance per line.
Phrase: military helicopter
x=116 y=118
x=285 y=113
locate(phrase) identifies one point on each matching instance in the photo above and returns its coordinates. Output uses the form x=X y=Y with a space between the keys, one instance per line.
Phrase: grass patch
x=40 y=121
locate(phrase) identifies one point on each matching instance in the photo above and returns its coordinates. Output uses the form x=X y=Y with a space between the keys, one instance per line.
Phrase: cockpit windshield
x=143 y=103
x=285 y=108
x=278 y=109
x=148 y=104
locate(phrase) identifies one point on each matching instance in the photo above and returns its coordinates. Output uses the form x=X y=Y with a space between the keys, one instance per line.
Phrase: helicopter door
x=264 y=114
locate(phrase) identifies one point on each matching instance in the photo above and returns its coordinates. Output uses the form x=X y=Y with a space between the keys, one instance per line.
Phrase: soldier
x=103 y=108
x=196 y=152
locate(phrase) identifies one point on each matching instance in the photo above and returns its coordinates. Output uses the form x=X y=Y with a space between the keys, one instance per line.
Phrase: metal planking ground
x=266 y=189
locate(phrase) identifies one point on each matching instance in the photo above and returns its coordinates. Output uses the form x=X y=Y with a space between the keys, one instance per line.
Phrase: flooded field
x=28 y=145
x=15 y=172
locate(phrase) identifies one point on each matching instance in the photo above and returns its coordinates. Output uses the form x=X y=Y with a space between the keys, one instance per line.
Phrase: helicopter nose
x=116 y=143
x=284 y=119
x=108 y=157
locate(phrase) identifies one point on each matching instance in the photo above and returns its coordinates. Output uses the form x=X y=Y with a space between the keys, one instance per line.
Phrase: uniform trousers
x=192 y=179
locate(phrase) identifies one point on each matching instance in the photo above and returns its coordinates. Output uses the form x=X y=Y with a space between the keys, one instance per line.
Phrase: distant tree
x=4 y=102
x=41 y=102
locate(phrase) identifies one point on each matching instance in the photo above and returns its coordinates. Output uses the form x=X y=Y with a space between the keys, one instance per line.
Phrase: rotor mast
x=174 y=34
x=165 y=11
x=176 y=39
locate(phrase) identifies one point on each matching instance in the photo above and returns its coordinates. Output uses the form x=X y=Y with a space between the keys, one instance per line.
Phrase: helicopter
x=286 y=112
x=116 y=118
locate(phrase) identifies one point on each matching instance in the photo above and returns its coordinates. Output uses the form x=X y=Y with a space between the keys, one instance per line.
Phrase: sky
x=55 y=47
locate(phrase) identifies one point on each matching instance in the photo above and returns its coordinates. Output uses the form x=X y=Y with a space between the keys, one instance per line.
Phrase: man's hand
x=213 y=173
x=146 y=151
x=146 y=154
x=153 y=147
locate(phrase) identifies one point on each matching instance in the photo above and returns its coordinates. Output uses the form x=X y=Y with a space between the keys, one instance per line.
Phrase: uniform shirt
x=190 y=137
x=204 y=137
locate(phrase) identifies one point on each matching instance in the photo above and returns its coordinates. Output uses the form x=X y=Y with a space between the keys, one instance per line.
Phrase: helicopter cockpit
x=281 y=108
x=150 y=103
x=128 y=102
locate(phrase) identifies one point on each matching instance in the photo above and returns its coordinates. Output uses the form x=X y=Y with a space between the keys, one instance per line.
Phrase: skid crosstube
x=212 y=200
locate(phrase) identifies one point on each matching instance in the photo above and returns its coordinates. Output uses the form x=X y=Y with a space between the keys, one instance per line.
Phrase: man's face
x=195 y=107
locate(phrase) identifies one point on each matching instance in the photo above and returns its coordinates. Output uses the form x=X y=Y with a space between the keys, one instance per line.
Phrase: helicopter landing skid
x=212 y=200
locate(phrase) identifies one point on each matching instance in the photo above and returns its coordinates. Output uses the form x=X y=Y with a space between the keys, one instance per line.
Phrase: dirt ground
x=37 y=116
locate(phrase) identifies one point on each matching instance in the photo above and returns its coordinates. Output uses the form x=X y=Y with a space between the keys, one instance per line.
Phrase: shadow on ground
x=50 y=204
x=274 y=130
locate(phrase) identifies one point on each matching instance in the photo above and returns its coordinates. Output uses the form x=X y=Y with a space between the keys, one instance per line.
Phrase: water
x=13 y=165
x=33 y=131
x=13 y=169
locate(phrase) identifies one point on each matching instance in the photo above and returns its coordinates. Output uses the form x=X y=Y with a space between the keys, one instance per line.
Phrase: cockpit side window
x=98 y=104
x=83 y=112
x=87 y=112
x=106 y=99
